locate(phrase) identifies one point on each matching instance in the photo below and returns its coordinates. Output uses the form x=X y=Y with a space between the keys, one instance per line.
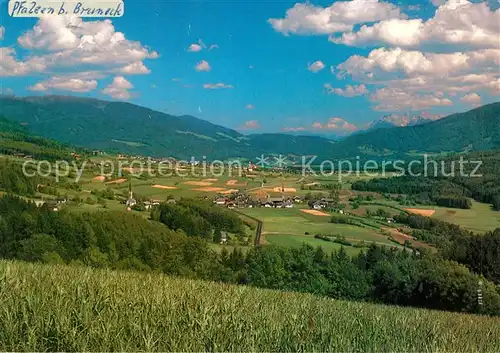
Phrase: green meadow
x=293 y=227
x=480 y=218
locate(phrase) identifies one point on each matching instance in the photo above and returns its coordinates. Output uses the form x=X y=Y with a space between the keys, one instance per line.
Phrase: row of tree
x=420 y=190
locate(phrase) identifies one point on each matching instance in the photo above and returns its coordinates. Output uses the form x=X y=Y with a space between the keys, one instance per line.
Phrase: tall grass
x=60 y=308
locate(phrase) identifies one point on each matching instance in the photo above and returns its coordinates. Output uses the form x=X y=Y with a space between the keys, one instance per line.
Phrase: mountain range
x=132 y=129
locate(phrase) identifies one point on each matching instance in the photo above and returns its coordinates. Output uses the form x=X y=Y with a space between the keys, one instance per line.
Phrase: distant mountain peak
x=397 y=120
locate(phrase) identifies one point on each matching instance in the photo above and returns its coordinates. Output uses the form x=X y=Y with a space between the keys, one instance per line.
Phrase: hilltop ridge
x=132 y=129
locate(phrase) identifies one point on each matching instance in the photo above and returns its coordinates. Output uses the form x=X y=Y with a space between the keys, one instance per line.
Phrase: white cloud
x=397 y=99
x=196 y=47
x=341 y=16
x=336 y=124
x=456 y=24
x=69 y=41
x=250 y=125
x=383 y=62
x=348 y=91
x=316 y=66
x=10 y=66
x=203 y=66
x=471 y=98
x=294 y=129
x=2 y=32
x=426 y=73
x=250 y=106
x=119 y=88
x=216 y=86
x=70 y=84
x=137 y=68
x=193 y=48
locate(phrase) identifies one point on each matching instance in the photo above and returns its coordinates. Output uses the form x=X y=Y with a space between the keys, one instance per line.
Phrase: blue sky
x=318 y=67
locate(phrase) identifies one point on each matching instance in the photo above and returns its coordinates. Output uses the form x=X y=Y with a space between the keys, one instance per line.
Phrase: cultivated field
x=63 y=308
x=293 y=227
x=480 y=218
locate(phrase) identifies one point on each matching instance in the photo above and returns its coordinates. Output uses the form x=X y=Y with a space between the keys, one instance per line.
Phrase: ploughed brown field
x=425 y=213
x=165 y=187
x=316 y=213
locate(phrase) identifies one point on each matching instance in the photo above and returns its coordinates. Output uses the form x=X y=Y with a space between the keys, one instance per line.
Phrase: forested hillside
x=16 y=139
x=133 y=129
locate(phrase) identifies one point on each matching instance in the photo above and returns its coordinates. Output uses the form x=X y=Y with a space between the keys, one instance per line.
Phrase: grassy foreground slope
x=62 y=308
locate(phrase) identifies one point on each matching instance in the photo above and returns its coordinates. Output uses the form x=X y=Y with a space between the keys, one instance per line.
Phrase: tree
x=217 y=236
x=37 y=246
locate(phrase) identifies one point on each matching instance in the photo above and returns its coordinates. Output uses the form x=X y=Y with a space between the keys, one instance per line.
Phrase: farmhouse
x=317 y=205
x=220 y=201
x=223 y=238
x=39 y=203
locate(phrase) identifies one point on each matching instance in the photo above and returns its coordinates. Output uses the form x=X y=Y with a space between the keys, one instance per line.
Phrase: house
x=147 y=205
x=288 y=204
x=241 y=204
x=39 y=203
x=220 y=201
x=169 y=201
x=297 y=199
x=317 y=205
x=61 y=201
x=230 y=205
x=223 y=238
x=276 y=201
x=328 y=202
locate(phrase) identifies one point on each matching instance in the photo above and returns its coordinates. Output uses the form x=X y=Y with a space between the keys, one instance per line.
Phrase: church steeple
x=131 y=201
